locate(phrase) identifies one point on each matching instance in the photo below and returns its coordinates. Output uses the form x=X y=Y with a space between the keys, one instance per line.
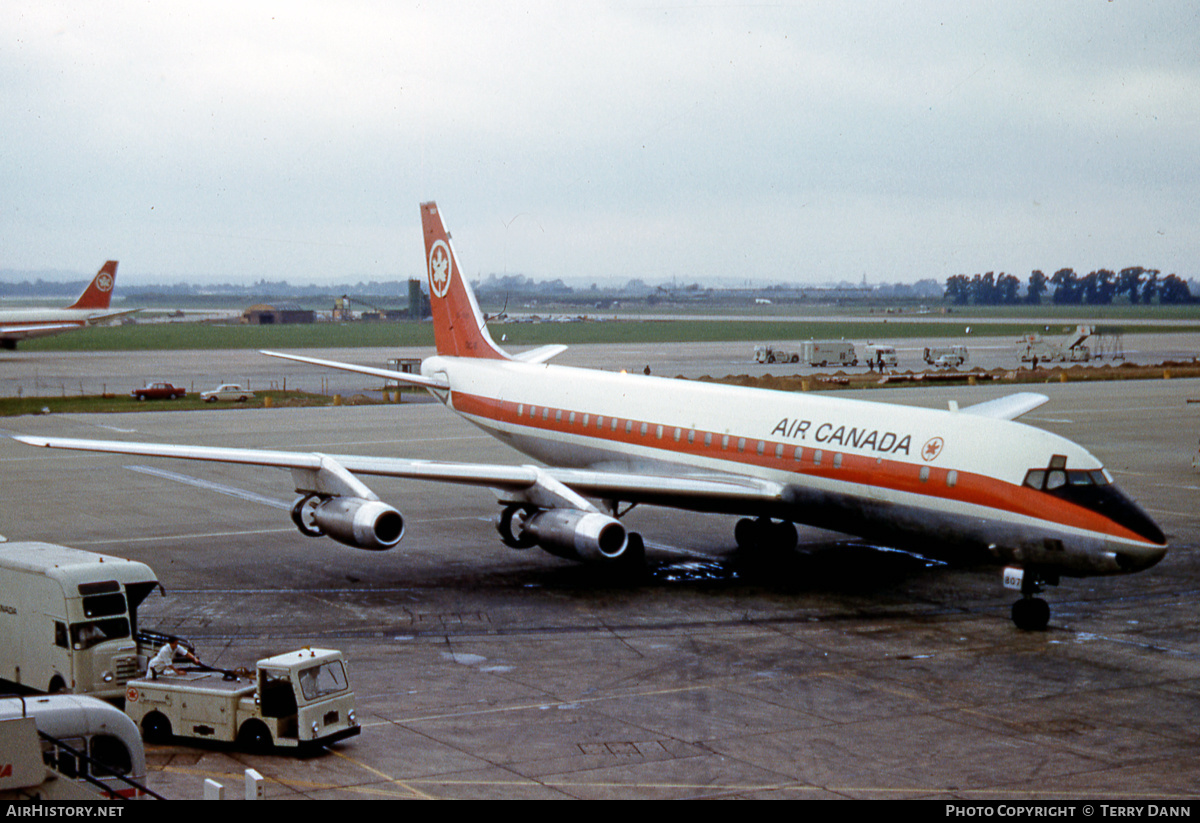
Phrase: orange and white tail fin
x=458 y=326
x=99 y=292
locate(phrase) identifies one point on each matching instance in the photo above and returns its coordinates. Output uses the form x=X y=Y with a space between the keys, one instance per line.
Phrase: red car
x=158 y=391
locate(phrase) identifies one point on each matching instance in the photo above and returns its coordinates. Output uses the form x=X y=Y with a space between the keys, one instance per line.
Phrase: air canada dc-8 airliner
x=89 y=309
x=967 y=483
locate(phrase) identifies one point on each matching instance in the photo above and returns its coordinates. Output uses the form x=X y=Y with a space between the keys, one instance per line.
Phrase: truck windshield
x=86 y=635
x=318 y=681
x=104 y=605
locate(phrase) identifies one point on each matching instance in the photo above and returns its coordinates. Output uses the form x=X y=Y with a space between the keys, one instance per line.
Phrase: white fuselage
x=50 y=317
x=923 y=476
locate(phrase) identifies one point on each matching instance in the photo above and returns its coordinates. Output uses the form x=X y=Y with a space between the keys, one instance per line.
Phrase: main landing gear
x=1030 y=613
x=764 y=536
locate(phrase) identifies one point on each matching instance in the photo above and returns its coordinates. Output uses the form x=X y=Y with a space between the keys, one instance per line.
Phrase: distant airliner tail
x=98 y=294
x=458 y=326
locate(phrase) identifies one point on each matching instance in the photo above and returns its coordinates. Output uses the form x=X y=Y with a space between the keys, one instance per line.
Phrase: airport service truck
x=881 y=356
x=828 y=353
x=773 y=354
x=297 y=699
x=68 y=618
x=812 y=352
x=1071 y=348
x=944 y=357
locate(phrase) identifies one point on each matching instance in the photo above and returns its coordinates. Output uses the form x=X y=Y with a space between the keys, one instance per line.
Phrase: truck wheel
x=254 y=737
x=156 y=728
x=57 y=685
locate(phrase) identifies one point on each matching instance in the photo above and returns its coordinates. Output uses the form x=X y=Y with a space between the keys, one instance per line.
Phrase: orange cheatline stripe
x=895 y=475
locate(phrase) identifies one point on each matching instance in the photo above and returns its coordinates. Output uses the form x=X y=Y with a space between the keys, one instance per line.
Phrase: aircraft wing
x=30 y=330
x=531 y=483
x=386 y=374
x=1007 y=408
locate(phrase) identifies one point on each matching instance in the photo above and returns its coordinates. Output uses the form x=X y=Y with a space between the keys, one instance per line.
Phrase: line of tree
x=1065 y=288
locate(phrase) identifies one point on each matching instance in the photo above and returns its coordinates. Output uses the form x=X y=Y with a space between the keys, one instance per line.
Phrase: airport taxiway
x=844 y=672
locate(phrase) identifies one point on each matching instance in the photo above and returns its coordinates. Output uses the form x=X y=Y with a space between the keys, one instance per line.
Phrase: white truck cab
x=297 y=699
x=68 y=618
x=881 y=356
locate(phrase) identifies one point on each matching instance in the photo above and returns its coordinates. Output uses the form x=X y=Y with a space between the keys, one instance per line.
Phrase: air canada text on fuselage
x=845 y=436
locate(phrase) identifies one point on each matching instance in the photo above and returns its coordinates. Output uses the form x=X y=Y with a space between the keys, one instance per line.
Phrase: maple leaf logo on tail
x=439 y=268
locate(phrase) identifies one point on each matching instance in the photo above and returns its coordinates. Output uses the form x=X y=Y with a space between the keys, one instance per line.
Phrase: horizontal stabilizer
x=1008 y=408
x=386 y=374
x=541 y=354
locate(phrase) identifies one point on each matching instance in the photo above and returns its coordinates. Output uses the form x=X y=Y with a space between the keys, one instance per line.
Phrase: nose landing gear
x=1030 y=613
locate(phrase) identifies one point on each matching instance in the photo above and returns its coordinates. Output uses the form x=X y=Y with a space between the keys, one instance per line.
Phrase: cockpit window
x=1049 y=480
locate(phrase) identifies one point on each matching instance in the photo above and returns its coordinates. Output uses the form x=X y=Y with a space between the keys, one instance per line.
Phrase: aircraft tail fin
x=99 y=292
x=458 y=326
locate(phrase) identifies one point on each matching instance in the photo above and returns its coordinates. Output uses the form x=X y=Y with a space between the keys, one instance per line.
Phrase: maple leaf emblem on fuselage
x=932 y=448
x=439 y=268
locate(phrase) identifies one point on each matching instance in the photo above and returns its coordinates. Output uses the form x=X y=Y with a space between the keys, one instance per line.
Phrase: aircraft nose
x=1138 y=559
x=1123 y=510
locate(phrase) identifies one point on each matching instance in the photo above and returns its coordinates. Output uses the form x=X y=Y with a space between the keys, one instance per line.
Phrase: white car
x=226 y=391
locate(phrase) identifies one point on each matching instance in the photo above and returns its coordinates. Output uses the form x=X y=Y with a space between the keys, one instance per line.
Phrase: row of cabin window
x=797 y=454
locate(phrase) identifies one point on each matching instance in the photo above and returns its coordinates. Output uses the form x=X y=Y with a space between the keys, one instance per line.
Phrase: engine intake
x=577 y=535
x=363 y=524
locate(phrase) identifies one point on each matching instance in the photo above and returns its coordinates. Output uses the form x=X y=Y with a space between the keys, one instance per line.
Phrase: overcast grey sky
x=791 y=141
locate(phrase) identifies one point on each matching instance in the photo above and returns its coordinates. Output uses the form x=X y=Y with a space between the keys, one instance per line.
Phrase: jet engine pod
x=363 y=524
x=577 y=535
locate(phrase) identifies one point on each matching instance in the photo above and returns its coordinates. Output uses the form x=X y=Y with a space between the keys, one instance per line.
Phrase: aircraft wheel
x=783 y=536
x=1031 y=614
x=763 y=535
x=746 y=534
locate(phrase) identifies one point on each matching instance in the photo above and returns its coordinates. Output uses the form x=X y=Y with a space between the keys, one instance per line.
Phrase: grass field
x=116 y=403
x=176 y=336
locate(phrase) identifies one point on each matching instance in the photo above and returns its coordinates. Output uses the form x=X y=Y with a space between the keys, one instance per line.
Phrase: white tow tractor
x=297 y=699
